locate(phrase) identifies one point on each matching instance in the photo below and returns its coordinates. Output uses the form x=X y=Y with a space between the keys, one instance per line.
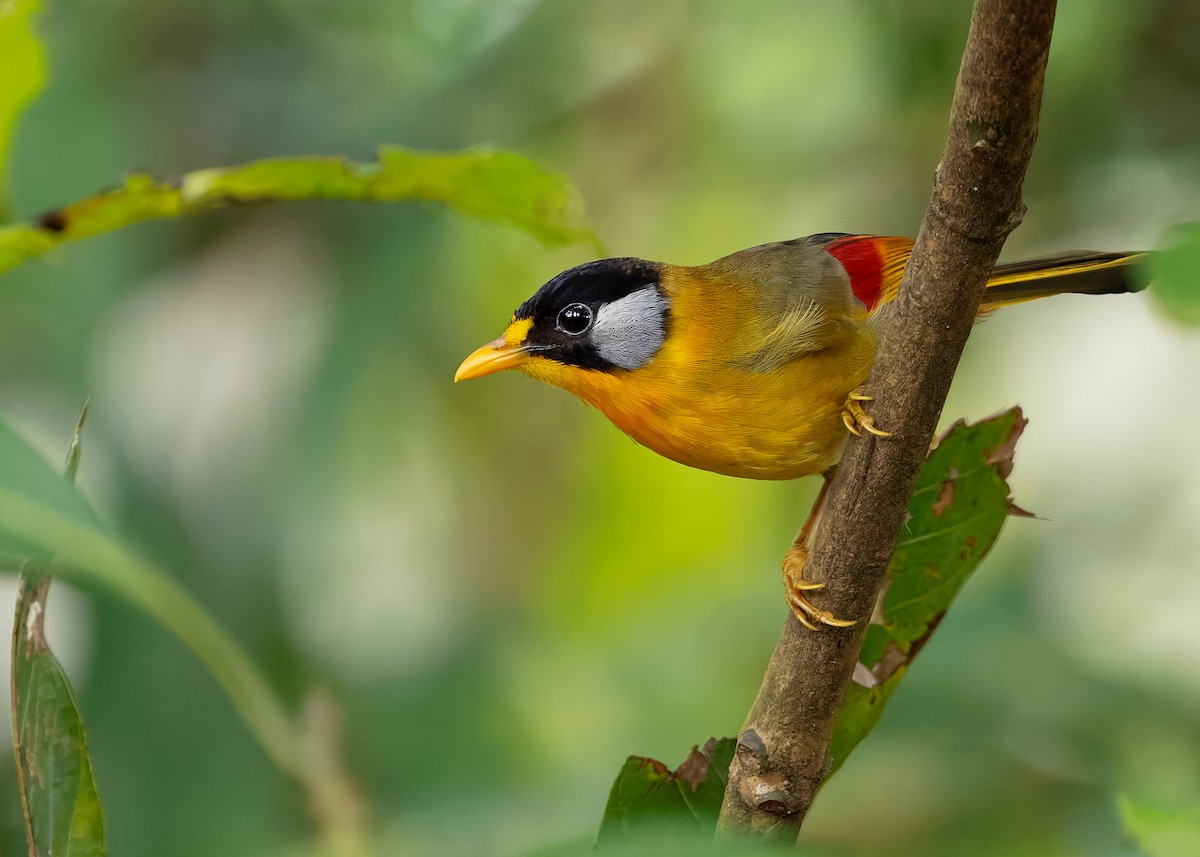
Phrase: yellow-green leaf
x=22 y=67
x=1162 y=829
x=500 y=186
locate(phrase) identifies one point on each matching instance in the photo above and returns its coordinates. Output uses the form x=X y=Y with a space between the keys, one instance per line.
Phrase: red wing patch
x=874 y=265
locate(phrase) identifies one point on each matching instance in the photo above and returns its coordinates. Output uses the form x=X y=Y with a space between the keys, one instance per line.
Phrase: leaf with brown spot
x=1002 y=456
x=946 y=497
x=495 y=185
x=54 y=772
x=976 y=459
x=958 y=506
x=646 y=797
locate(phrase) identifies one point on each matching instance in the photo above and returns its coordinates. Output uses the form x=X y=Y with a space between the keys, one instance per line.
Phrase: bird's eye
x=575 y=319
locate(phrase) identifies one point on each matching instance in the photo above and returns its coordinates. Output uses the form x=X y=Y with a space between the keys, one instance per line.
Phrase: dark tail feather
x=1082 y=273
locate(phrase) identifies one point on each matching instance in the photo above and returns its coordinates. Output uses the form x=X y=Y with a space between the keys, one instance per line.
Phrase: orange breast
x=694 y=404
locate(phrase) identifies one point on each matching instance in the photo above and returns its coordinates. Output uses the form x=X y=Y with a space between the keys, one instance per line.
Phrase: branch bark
x=782 y=749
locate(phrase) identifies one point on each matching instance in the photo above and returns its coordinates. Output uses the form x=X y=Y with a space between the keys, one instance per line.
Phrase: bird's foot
x=796 y=590
x=855 y=416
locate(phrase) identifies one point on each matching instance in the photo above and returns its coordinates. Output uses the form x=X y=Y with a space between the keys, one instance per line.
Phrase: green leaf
x=647 y=798
x=41 y=512
x=1176 y=274
x=495 y=185
x=22 y=467
x=957 y=509
x=22 y=68
x=861 y=712
x=1162 y=830
x=54 y=772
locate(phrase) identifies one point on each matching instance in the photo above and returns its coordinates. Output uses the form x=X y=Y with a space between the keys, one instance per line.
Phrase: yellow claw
x=855 y=417
x=795 y=587
x=803 y=621
x=869 y=424
x=794 y=584
x=834 y=622
x=806 y=613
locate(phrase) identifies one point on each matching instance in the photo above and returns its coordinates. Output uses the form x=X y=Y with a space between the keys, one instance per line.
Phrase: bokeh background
x=506 y=595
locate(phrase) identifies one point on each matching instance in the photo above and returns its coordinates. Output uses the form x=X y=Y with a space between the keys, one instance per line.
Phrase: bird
x=752 y=365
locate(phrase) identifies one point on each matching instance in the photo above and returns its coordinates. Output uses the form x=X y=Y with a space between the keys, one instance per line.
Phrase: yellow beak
x=496 y=355
x=507 y=352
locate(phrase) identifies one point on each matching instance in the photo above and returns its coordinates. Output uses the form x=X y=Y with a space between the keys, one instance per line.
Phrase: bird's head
x=606 y=316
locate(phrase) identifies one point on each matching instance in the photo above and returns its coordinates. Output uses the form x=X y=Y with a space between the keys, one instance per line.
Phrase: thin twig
x=782 y=750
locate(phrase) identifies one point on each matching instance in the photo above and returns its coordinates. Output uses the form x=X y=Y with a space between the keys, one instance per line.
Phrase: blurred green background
x=505 y=594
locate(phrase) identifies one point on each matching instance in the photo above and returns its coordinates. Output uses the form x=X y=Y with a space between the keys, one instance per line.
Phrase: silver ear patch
x=628 y=332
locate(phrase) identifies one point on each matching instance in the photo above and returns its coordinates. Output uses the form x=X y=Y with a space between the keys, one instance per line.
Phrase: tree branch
x=782 y=750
